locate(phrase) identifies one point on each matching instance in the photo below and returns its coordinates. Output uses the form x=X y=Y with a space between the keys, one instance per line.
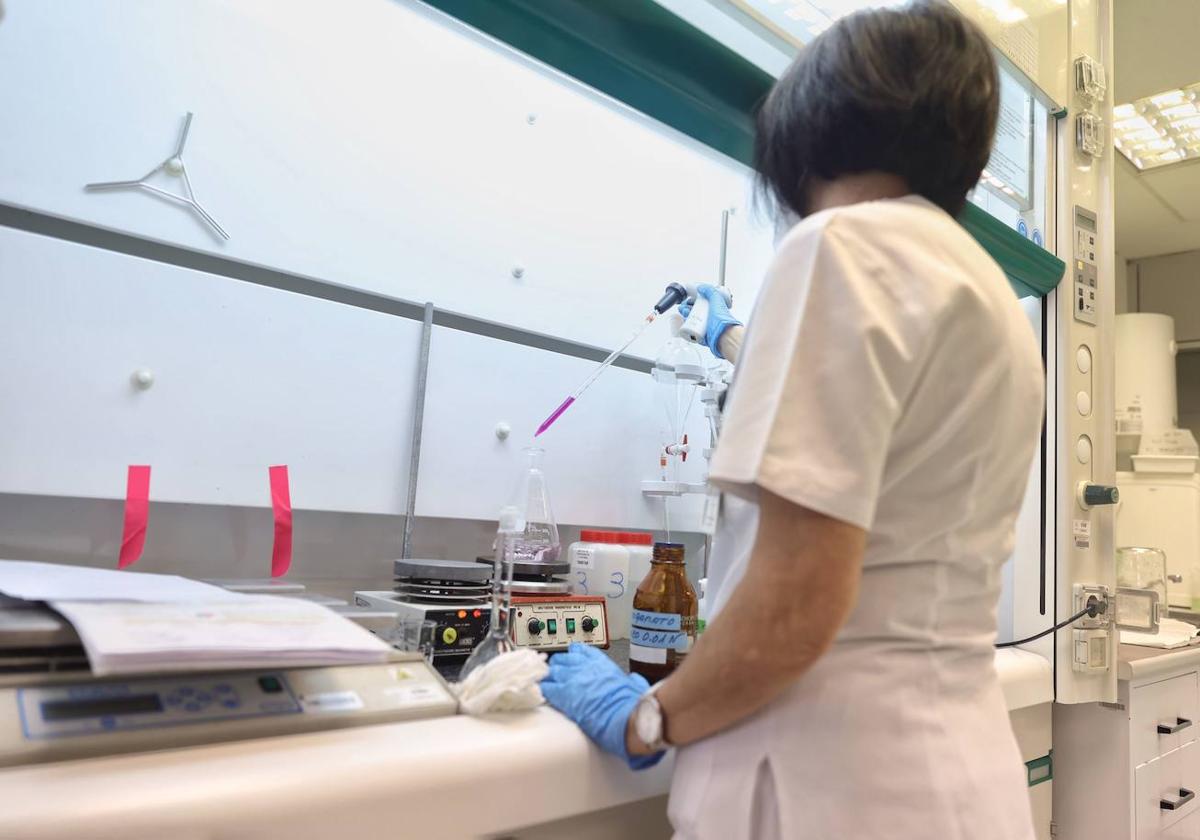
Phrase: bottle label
x=665 y=639
x=651 y=656
x=663 y=631
x=583 y=558
x=657 y=620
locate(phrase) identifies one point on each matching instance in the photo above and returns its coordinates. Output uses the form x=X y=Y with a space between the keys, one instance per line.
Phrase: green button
x=551 y=626
x=449 y=635
x=570 y=625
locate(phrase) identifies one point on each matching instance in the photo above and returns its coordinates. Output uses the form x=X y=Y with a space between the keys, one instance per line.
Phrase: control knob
x=1090 y=495
x=588 y=624
x=534 y=626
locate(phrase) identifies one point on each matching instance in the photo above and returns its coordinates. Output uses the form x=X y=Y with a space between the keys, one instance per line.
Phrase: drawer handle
x=1185 y=796
x=1181 y=723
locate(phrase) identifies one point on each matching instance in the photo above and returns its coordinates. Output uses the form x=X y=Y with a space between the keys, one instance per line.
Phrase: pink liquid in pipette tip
x=549 y=421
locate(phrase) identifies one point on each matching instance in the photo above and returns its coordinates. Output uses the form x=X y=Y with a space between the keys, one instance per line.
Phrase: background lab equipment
x=304 y=339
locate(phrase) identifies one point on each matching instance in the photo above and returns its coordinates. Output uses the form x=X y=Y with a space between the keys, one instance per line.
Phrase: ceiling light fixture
x=1159 y=130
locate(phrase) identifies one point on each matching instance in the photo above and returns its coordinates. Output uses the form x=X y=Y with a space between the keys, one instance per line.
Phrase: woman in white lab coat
x=874 y=455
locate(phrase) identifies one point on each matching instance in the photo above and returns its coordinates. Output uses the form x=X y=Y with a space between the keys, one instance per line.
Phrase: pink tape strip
x=137 y=513
x=281 y=502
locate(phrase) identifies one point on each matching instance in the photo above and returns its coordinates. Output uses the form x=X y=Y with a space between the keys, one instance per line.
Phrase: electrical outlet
x=1091 y=634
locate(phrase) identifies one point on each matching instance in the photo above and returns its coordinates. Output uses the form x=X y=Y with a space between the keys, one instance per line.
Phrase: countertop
x=445 y=778
x=1139 y=663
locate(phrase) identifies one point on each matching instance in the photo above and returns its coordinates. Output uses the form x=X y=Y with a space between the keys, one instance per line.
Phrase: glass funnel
x=539 y=541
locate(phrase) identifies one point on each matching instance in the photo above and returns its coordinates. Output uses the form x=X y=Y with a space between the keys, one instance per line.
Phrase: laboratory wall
x=1170 y=285
x=363 y=161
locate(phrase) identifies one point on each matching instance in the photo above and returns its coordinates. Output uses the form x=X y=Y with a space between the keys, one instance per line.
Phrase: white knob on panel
x=1083 y=402
x=174 y=166
x=1083 y=358
x=142 y=378
x=503 y=430
x=1083 y=449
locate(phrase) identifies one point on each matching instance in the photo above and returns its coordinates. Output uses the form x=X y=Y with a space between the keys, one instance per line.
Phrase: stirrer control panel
x=552 y=622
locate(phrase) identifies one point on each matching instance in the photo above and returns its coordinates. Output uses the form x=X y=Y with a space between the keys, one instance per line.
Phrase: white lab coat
x=889 y=379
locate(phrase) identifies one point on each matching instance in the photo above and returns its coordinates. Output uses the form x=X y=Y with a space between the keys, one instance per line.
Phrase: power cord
x=1094 y=608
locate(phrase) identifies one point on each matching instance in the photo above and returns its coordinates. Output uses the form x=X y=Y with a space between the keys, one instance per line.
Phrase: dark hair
x=910 y=91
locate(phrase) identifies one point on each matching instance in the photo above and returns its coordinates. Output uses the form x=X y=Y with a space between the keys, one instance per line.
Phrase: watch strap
x=660 y=743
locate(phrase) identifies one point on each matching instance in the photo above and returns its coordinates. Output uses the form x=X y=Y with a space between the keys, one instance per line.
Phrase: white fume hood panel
x=596 y=454
x=243 y=377
x=384 y=147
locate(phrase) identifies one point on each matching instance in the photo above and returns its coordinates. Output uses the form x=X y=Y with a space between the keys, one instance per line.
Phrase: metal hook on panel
x=173 y=165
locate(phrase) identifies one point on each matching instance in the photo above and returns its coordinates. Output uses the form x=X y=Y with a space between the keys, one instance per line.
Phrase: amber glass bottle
x=664 y=615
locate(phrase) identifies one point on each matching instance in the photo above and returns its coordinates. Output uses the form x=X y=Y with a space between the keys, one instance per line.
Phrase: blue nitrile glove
x=719 y=317
x=592 y=690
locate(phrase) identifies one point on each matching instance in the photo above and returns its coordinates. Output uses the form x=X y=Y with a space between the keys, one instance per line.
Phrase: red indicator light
x=477 y=613
x=462 y=613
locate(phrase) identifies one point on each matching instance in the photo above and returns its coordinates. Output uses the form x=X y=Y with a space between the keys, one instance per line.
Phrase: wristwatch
x=648 y=722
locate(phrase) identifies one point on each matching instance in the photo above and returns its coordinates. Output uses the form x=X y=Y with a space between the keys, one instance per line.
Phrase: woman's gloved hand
x=719 y=317
x=592 y=690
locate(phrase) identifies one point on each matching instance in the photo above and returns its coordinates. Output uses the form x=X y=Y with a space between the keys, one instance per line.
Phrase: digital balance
x=52 y=708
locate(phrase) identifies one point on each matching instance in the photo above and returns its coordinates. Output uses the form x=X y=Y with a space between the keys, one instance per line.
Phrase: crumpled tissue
x=508 y=683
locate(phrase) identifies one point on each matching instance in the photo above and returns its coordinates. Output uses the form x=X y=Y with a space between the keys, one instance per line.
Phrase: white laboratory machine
x=53 y=709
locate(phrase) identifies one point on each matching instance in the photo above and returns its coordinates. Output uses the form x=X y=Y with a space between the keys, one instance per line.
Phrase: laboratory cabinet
x=1132 y=768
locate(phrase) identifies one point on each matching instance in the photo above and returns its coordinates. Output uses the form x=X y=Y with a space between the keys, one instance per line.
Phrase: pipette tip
x=554 y=415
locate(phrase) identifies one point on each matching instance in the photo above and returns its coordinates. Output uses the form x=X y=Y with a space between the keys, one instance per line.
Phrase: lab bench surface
x=529 y=775
x=446 y=778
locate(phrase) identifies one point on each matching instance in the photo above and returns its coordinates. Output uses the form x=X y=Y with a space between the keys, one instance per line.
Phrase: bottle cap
x=595 y=536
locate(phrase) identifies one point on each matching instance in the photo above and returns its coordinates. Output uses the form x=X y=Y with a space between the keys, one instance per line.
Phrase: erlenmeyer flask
x=539 y=542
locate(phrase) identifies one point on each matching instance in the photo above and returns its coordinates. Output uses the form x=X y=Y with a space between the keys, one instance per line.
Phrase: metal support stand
x=414 y=456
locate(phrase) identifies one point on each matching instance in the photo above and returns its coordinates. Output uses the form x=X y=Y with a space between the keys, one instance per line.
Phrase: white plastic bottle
x=641 y=549
x=600 y=566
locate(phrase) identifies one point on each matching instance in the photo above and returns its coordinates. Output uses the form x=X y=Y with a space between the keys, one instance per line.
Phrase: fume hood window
x=1014 y=187
x=803 y=20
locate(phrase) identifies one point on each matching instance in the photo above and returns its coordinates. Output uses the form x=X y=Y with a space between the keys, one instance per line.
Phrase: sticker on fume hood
x=1082 y=529
x=331 y=701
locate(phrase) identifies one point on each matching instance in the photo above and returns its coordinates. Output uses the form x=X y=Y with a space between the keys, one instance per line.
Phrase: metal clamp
x=173 y=165
x=1167 y=729
x=1185 y=796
